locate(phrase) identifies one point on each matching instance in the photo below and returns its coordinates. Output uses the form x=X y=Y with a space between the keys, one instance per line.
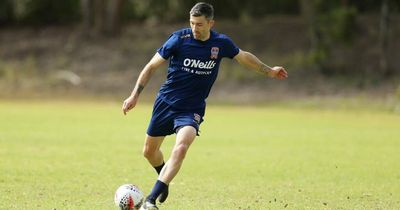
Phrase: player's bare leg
x=151 y=150
x=184 y=139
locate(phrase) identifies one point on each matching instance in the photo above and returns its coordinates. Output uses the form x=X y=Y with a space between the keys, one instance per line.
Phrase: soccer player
x=194 y=56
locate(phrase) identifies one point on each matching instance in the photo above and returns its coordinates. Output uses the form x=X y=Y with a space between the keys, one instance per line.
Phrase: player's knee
x=180 y=151
x=148 y=152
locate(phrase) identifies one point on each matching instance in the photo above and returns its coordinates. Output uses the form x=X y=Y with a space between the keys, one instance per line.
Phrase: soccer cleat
x=148 y=206
x=163 y=196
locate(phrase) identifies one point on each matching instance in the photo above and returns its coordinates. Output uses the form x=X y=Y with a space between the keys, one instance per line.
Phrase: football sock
x=158 y=188
x=159 y=168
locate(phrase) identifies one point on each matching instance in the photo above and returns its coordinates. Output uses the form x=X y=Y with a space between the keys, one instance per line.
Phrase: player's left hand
x=278 y=72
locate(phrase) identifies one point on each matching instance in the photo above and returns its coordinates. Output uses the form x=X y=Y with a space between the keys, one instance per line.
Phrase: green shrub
x=45 y=12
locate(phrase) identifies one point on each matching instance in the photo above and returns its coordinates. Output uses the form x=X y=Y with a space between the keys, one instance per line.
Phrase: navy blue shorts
x=167 y=119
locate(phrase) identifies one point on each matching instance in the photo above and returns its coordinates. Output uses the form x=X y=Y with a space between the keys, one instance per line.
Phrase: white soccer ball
x=128 y=197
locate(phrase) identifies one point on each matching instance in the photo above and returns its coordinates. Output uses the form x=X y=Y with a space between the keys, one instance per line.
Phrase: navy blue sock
x=159 y=168
x=158 y=188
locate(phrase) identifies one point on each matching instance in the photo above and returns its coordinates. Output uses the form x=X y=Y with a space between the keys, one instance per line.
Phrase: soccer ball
x=128 y=197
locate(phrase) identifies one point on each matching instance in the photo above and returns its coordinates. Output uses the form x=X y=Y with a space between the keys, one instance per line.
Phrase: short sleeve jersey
x=193 y=67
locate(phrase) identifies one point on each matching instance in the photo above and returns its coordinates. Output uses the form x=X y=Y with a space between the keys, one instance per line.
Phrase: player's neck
x=206 y=37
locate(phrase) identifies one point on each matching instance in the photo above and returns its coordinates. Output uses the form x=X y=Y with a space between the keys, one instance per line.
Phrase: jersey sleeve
x=231 y=50
x=169 y=47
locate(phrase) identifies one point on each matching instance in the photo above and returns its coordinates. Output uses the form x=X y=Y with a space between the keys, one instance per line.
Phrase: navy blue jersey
x=193 y=67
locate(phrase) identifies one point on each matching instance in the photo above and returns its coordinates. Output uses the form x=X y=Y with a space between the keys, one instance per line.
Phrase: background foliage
x=45 y=12
x=354 y=39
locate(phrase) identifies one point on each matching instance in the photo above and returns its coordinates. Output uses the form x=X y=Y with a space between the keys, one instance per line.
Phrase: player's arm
x=142 y=81
x=251 y=62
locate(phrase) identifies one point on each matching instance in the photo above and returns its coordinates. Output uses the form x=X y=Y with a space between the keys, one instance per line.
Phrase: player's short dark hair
x=203 y=9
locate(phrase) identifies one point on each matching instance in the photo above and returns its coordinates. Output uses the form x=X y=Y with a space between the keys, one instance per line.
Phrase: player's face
x=201 y=27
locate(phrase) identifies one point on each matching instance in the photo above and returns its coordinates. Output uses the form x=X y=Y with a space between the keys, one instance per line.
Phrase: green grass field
x=74 y=155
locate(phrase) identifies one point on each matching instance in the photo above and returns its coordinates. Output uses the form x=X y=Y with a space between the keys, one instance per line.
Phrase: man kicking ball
x=194 y=56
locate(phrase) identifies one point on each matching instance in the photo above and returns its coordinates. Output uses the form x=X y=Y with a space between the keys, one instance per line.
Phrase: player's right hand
x=128 y=104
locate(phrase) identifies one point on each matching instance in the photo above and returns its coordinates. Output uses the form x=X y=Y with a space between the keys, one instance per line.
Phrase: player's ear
x=212 y=22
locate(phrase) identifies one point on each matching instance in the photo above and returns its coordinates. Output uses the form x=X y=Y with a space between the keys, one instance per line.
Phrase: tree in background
x=45 y=12
x=6 y=11
x=329 y=22
x=383 y=38
x=101 y=16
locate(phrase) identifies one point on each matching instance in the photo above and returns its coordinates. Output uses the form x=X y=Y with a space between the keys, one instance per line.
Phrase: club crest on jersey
x=197 y=118
x=214 y=52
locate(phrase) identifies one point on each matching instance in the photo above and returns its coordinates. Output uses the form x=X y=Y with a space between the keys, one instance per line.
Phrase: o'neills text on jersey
x=198 y=64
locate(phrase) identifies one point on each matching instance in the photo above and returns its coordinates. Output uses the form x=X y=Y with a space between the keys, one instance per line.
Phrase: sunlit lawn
x=74 y=155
